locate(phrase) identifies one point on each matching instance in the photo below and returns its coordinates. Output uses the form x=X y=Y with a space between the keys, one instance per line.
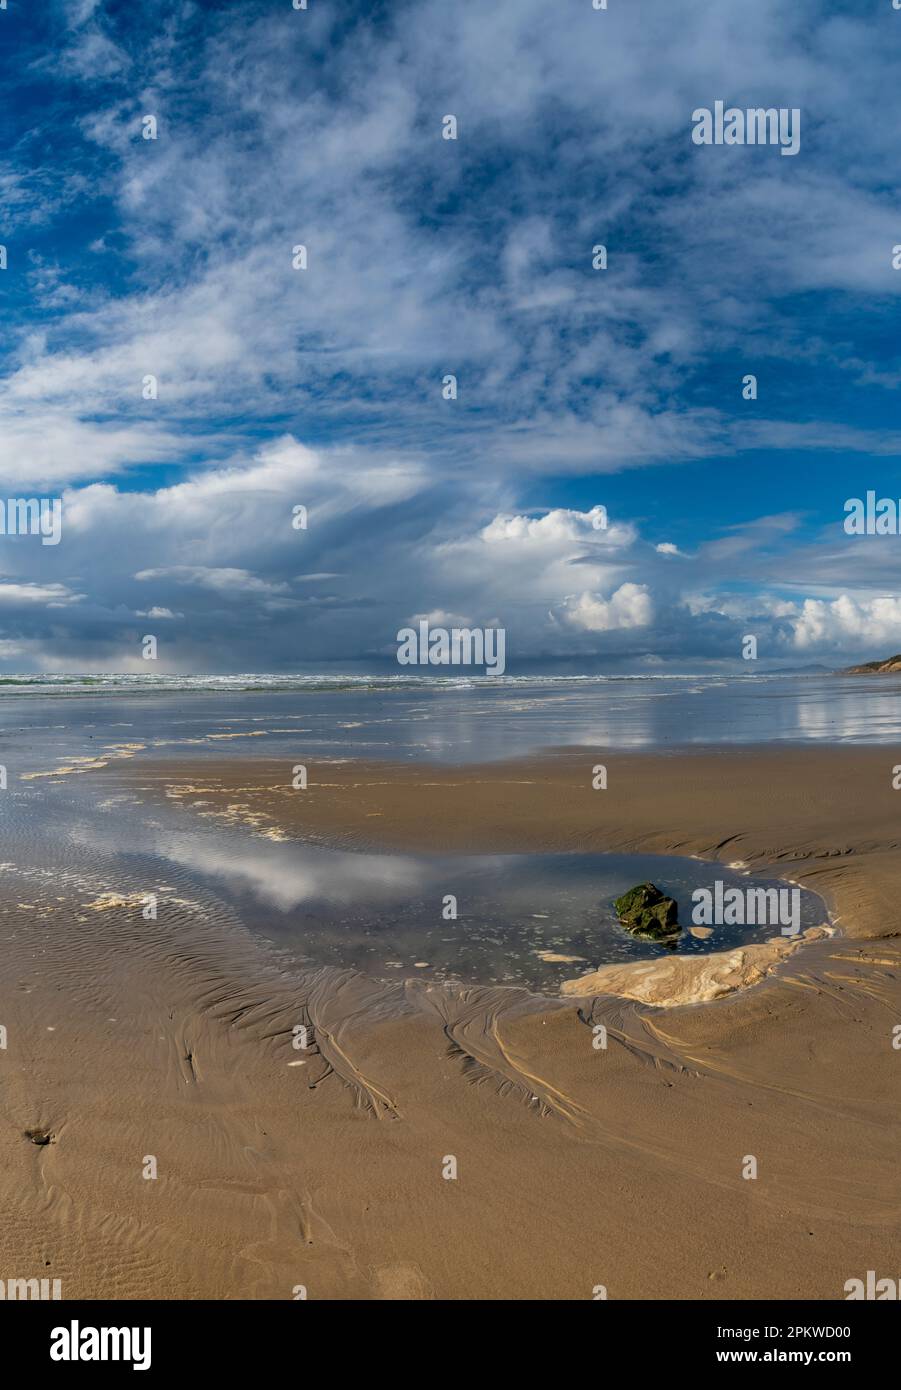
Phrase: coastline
x=576 y=1166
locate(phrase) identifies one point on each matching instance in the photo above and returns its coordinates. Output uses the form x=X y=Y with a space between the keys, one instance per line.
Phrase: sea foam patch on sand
x=673 y=980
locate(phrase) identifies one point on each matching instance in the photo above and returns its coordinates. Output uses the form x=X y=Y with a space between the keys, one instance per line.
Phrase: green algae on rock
x=648 y=913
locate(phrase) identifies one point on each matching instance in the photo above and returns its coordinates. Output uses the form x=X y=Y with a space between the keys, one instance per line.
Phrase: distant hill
x=876 y=668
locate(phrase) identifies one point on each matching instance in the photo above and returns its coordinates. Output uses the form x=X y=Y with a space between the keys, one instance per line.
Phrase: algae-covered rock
x=648 y=913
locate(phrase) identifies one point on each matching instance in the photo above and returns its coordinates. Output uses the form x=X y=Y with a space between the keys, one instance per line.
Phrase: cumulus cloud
x=279 y=388
x=849 y=624
x=629 y=606
x=556 y=526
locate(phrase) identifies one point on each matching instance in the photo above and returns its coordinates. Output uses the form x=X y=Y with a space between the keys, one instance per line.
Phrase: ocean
x=44 y=718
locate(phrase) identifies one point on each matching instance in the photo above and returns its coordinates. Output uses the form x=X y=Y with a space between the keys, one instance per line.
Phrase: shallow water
x=70 y=836
x=385 y=914
x=69 y=840
x=453 y=721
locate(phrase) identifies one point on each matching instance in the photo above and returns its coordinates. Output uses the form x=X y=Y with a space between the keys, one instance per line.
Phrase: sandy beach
x=321 y=1172
x=450 y=673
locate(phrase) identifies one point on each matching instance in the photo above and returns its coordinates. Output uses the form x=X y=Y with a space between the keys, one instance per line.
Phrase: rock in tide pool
x=648 y=913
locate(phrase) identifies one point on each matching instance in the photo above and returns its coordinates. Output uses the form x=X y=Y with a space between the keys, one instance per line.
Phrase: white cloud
x=53 y=595
x=570 y=371
x=556 y=526
x=419 y=266
x=221 y=580
x=629 y=606
x=849 y=623
x=43 y=447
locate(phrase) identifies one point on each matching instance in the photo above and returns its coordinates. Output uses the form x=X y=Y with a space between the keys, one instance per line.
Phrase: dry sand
x=576 y=1166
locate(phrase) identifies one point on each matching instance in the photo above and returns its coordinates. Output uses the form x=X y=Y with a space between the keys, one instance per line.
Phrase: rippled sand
x=597 y=1140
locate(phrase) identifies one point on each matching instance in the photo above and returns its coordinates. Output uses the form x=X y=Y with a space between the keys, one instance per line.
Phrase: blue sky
x=277 y=387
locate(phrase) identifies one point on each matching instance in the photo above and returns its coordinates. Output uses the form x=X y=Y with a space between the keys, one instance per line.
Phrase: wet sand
x=577 y=1166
